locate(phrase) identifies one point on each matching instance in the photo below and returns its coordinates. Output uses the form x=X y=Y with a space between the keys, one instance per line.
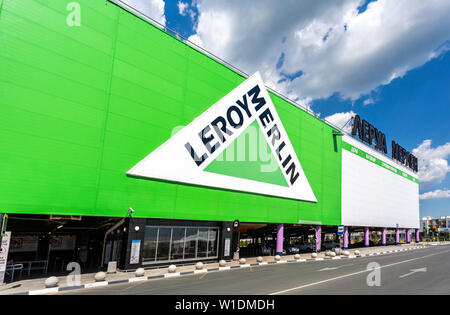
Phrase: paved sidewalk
x=87 y=279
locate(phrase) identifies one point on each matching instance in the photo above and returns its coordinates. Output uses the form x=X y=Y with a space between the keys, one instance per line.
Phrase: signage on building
x=247 y=116
x=62 y=242
x=3 y=223
x=24 y=243
x=227 y=249
x=369 y=134
x=135 y=250
x=374 y=137
x=4 y=248
x=404 y=157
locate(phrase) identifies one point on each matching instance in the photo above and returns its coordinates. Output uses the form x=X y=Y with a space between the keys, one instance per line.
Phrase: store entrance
x=45 y=245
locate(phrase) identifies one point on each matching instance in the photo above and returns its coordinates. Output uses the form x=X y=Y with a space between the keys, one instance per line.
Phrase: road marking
x=137 y=279
x=96 y=284
x=132 y=285
x=200 y=271
x=413 y=271
x=170 y=275
x=334 y=268
x=43 y=291
x=326 y=269
x=90 y=285
x=354 y=273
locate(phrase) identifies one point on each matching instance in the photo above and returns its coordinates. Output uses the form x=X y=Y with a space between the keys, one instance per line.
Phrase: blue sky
x=388 y=61
x=183 y=23
x=409 y=110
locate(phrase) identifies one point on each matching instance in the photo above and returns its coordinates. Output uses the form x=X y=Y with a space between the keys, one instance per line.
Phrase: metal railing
x=11 y=270
x=33 y=265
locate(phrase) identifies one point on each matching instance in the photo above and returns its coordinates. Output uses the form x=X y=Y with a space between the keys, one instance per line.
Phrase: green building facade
x=81 y=105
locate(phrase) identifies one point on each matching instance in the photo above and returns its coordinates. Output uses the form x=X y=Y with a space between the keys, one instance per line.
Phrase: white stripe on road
x=137 y=279
x=352 y=274
x=95 y=284
x=171 y=275
x=200 y=271
x=413 y=271
x=43 y=291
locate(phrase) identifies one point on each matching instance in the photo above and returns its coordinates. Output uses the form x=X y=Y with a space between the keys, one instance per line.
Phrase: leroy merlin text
x=222 y=127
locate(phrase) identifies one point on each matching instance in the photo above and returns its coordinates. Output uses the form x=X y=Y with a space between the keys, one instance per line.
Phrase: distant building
x=430 y=225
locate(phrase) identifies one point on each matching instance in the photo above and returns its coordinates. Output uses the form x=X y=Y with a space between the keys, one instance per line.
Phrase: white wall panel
x=375 y=196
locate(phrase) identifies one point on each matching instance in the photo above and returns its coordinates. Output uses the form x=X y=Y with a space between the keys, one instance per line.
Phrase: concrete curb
x=184 y=273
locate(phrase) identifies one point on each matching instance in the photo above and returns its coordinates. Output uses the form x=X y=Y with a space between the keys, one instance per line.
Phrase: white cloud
x=196 y=40
x=182 y=7
x=341 y=119
x=151 y=8
x=433 y=164
x=368 y=101
x=337 y=49
x=436 y=194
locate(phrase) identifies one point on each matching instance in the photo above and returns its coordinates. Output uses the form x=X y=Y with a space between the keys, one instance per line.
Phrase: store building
x=122 y=142
x=432 y=226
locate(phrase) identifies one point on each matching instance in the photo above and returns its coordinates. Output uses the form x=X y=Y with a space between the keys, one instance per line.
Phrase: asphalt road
x=422 y=271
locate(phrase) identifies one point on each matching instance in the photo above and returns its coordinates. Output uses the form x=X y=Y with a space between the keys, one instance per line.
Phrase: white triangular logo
x=188 y=156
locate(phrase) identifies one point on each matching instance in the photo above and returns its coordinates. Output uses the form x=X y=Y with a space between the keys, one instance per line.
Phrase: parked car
x=306 y=247
x=292 y=249
x=265 y=250
x=330 y=245
x=361 y=244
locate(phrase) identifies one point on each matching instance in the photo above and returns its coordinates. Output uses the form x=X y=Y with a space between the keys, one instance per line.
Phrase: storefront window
x=212 y=243
x=151 y=238
x=177 y=249
x=202 y=243
x=163 y=244
x=191 y=243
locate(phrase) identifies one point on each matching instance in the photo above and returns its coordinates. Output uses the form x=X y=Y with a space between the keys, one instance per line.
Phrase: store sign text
x=371 y=135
